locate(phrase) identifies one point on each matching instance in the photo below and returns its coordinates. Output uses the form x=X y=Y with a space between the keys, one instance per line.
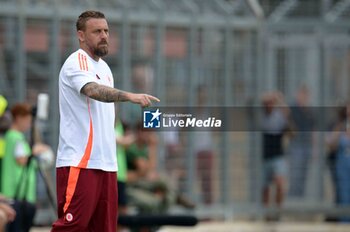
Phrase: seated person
x=146 y=188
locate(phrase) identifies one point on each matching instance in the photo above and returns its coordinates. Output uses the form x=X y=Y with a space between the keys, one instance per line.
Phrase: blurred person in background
x=19 y=169
x=147 y=189
x=274 y=128
x=5 y=120
x=174 y=158
x=3 y=105
x=86 y=156
x=301 y=143
x=7 y=213
x=339 y=142
x=142 y=81
x=203 y=149
x=333 y=150
x=123 y=140
x=5 y=123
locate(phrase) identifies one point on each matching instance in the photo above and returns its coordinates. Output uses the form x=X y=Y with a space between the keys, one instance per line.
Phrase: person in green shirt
x=148 y=190
x=19 y=176
x=144 y=189
x=123 y=140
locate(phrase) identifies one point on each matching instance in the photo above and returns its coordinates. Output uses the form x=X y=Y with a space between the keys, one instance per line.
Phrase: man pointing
x=86 y=161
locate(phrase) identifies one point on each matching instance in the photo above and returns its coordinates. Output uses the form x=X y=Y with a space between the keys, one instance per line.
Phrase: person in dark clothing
x=338 y=142
x=274 y=126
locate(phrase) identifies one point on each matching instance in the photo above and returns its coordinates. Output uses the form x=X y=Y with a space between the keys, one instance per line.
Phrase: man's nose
x=104 y=35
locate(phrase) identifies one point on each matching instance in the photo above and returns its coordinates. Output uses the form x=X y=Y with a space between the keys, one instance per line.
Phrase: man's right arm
x=107 y=94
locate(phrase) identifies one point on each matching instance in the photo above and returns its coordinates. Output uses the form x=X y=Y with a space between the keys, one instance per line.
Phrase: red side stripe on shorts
x=74 y=171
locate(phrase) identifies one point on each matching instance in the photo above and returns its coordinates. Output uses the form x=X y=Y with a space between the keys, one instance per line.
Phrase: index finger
x=153 y=98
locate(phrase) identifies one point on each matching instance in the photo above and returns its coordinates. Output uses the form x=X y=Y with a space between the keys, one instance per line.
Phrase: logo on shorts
x=69 y=217
x=151 y=118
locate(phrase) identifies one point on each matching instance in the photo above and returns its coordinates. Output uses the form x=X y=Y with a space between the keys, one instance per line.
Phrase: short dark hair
x=85 y=16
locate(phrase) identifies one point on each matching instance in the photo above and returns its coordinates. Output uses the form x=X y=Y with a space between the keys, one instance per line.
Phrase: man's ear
x=81 y=36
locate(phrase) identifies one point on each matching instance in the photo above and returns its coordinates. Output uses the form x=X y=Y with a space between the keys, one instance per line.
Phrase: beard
x=101 y=51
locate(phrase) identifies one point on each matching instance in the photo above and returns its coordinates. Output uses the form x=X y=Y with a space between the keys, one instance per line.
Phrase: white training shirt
x=87 y=138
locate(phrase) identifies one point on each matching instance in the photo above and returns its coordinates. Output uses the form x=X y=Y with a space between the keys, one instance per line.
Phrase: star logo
x=156 y=115
x=151 y=118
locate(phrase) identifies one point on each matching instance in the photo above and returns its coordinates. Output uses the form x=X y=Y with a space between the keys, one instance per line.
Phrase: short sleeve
x=78 y=73
x=20 y=150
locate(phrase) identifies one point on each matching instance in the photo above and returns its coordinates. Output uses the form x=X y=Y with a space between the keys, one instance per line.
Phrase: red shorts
x=86 y=200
